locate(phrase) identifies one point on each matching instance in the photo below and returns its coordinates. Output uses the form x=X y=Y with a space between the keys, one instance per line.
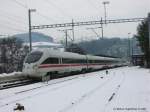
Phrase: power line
x=12 y=19
x=93 y=30
x=10 y=15
x=40 y=14
x=58 y=8
x=12 y=28
x=15 y=24
x=24 y=6
x=91 y=3
x=66 y=35
x=46 y=17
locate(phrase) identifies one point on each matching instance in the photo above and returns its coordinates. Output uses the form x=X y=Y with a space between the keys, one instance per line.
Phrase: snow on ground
x=9 y=74
x=124 y=89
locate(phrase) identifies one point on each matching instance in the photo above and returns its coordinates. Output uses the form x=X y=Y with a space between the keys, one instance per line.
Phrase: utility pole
x=129 y=51
x=132 y=49
x=102 y=28
x=102 y=32
x=30 y=36
x=132 y=45
x=105 y=3
x=93 y=29
x=73 y=30
x=66 y=33
x=66 y=36
x=149 y=37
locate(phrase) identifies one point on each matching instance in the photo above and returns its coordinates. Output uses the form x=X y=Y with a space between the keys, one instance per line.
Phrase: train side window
x=51 y=60
x=91 y=61
x=64 y=60
x=77 y=61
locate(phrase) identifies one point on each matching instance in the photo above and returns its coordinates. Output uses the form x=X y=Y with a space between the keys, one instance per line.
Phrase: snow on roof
x=35 y=44
x=50 y=45
x=57 y=53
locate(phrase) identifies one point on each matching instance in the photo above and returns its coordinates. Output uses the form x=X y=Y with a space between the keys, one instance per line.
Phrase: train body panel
x=42 y=62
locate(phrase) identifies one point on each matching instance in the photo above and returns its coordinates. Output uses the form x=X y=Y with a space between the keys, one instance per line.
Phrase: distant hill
x=115 y=47
x=36 y=37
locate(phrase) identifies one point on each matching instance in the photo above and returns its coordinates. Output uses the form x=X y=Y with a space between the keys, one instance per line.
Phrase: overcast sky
x=14 y=16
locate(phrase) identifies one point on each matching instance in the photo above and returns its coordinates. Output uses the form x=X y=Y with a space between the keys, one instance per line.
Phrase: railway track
x=16 y=81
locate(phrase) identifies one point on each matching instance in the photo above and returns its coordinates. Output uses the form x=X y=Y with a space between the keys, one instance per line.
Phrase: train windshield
x=33 y=57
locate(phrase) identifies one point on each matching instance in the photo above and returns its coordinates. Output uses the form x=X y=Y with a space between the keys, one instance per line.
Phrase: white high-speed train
x=46 y=62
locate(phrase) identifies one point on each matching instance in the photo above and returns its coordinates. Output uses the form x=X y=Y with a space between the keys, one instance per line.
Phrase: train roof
x=62 y=54
x=101 y=58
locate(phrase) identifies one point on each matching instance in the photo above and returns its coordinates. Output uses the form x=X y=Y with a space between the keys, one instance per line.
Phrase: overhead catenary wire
x=10 y=23
x=92 y=5
x=93 y=30
x=19 y=3
x=58 y=8
x=13 y=20
x=17 y=19
x=40 y=14
x=13 y=28
x=12 y=16
x=68 y=36
x=45 y=17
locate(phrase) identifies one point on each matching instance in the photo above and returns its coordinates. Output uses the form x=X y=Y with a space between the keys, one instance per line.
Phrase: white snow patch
x=10 y=74
x=125 y=88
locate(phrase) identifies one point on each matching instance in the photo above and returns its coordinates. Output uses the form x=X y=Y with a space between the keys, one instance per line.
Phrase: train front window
x=33 y=57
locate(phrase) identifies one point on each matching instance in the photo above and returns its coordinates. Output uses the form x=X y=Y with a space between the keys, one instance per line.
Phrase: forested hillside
x=111 y=46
